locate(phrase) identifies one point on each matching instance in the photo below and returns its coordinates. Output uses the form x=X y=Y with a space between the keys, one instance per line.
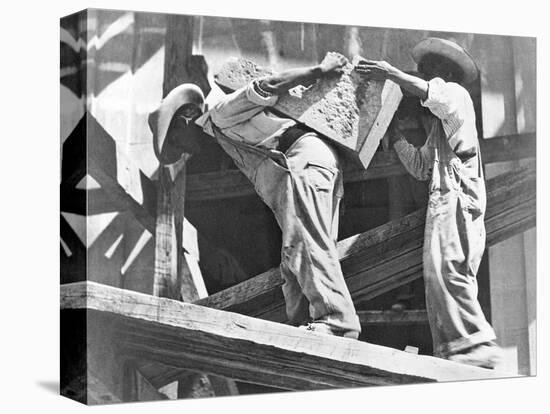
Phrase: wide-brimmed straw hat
x=160 y=119
x=450 y=50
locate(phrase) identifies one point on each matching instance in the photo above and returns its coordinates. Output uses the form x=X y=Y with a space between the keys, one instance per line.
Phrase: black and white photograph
x=253 y=206
x=256 y=208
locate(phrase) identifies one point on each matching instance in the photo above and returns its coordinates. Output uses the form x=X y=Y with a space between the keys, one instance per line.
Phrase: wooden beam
x=248 y=349
x=407 y=317
x=390 y=255
x=229 y=184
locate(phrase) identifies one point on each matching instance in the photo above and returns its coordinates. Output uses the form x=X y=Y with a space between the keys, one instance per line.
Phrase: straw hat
x=451 y=51
x=160 y=119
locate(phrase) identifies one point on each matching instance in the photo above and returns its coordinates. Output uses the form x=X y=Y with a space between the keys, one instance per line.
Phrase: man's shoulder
x=457 y=89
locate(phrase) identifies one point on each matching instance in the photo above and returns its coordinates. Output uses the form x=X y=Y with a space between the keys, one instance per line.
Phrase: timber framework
x=139 y=329
x=237 y=333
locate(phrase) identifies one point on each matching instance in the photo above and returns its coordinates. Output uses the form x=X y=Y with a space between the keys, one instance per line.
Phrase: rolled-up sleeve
x=259 y=96
x=243 y=116
x=446 y=100
x=240 y=106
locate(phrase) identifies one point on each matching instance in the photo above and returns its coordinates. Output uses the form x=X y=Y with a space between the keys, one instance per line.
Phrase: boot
x=485 y=355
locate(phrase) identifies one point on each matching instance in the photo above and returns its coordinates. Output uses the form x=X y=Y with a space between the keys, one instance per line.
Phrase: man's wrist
x=318 y=70
x=262 y=89
x=395 y=75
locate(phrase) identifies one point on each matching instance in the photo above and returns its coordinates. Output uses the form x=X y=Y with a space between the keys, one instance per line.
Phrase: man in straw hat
x=454 y=238
x=295 y=172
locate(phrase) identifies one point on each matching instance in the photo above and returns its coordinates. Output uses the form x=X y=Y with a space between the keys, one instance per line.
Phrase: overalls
x=454 y=239
x=303 y=187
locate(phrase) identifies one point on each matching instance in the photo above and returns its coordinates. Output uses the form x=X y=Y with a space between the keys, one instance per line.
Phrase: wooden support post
x=169 y=278
x=176 y=274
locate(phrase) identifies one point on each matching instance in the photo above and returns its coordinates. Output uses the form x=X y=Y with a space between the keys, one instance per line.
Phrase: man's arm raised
x=280 y=83
x=381 y=70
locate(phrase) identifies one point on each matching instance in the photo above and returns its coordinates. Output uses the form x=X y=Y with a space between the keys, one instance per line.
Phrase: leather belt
x=291 y=135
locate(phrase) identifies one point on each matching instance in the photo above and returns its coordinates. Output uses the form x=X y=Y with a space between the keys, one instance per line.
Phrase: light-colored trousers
x=454 y=241
x=303 y=188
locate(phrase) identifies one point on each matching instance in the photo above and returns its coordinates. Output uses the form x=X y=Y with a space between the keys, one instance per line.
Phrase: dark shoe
x=324 y=329
x=486 y=355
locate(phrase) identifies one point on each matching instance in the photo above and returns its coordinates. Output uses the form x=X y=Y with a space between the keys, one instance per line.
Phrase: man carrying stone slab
x=455 y=232
x=298 y=175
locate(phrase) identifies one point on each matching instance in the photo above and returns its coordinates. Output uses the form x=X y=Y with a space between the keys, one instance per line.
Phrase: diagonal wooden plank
x=253 y=350
x=390 y=255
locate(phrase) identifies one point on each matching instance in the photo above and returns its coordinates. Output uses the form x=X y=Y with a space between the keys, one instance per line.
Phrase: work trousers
x=454 y=243
x=303 y=187
x=454 y=240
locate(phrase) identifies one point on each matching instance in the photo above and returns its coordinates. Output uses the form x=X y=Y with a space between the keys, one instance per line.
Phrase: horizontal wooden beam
x=390 y=255
x=235 y=346
x=407 y=317
x=232 y=183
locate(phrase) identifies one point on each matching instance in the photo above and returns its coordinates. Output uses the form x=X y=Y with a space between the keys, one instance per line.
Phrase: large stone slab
x=351 y=111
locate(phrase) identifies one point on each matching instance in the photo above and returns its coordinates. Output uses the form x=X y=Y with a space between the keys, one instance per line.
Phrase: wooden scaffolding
x=120 y=345
x=238 y=333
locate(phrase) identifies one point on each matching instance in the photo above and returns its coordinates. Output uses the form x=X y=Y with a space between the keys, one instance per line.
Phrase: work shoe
x=324 y=329
x=485 y=355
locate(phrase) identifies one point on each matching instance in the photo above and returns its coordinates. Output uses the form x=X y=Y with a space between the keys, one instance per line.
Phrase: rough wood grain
x=390 y=255
x=249 y=349
x=349 y=110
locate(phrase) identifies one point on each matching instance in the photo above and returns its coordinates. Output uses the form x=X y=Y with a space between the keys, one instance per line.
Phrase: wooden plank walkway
x=222 y=343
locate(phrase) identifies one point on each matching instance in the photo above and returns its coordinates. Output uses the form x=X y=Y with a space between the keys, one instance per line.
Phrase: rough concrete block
x=350 y=111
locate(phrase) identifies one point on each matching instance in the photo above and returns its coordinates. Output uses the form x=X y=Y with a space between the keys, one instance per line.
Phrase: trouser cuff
x=460 y=344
